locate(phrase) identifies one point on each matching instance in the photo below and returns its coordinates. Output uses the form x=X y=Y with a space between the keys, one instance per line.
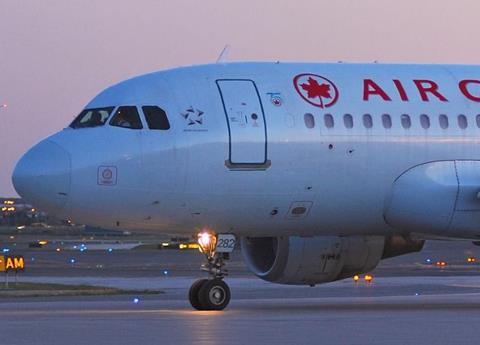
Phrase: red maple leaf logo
x=314 y=90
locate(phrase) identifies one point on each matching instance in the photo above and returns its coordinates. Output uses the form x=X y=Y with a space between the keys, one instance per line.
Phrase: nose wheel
x=209 y=294
x=213 y=293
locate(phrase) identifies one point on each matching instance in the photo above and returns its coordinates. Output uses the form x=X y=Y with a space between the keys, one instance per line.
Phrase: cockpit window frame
x=76 y=123
x=138 y=112
x=165 y=122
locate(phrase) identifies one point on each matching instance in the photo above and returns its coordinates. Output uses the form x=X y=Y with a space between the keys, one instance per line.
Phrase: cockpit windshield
x=92 y=118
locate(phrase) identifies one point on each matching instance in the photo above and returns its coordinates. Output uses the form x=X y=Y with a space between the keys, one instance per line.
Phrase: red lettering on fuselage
x=427 y=90
x=463 y=85
x=372 y=88
x=401 y=90
x=426 y=87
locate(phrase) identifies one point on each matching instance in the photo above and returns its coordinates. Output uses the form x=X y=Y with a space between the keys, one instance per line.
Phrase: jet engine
x=321 y=259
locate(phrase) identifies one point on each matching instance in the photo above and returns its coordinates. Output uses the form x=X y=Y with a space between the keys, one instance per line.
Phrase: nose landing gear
x=214 y=293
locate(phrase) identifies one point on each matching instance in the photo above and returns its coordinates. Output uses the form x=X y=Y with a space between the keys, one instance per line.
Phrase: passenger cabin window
x=328 y=119
x=386 y=121
x=92 y=118
x=424 y=121
x=443 y=121
x=156 y=117
x=348 y=120
x=462 y=121
x=367 y=121
x=309 y=120
x=126 y=117
x=406 y=122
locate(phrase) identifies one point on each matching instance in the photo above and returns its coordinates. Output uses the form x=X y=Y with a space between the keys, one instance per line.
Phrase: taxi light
x=182 y=246
x=43 y=242
x=368 y=278
x=207 y=242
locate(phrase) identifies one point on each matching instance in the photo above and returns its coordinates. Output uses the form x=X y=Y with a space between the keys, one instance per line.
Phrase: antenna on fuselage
x=223 y=57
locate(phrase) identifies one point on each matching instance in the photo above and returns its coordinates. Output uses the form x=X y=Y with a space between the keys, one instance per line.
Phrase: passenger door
x=246 y=124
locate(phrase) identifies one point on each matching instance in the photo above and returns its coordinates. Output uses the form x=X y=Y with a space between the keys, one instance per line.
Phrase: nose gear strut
x=213 y=293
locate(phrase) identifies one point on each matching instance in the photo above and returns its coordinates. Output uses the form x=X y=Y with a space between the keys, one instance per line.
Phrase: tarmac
x=410 y=301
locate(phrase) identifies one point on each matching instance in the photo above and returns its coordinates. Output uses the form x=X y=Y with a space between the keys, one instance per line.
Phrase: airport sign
x=12 y=263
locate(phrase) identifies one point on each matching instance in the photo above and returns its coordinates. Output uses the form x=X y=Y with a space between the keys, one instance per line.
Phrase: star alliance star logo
x=193 y=116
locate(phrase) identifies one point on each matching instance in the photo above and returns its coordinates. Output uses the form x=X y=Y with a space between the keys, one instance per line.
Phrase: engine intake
x=311 y=260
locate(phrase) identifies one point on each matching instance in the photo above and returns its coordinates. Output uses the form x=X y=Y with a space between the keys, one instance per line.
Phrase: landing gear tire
x=214 y=294
x=193 y=294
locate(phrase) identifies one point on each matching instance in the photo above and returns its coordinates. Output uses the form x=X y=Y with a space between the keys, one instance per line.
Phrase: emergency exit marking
x=12 y=263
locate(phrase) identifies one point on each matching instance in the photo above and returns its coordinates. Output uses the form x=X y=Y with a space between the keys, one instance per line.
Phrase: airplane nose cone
x=42 y=176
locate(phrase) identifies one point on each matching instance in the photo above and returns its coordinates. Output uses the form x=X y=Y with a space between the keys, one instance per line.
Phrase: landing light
x=356 y=278
x=471 y=259
x=207 y=242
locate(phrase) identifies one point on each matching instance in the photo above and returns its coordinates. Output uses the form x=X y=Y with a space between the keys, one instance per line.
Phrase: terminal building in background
x=16 y=212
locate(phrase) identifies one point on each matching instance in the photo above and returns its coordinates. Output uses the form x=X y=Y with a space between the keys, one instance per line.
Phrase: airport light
x=471 y=259
x=368 y=278
x=441 y=263
x=356 y=278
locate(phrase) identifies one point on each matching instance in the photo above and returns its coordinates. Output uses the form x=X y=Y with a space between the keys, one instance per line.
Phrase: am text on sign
x=11 y=263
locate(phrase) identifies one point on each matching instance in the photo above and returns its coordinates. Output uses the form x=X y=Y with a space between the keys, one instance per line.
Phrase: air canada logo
x=316 y=90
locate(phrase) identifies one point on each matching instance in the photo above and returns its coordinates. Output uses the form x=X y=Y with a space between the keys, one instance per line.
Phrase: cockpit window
x=92 y=118
x=156 y=117
x=126 y=117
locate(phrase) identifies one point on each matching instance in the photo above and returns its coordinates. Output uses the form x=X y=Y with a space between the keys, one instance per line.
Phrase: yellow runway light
x=368 y=278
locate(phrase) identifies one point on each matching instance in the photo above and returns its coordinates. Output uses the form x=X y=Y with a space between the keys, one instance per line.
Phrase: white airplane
x=319 y=170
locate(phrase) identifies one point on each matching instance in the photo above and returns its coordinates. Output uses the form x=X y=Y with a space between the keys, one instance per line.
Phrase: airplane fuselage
x=273 y=149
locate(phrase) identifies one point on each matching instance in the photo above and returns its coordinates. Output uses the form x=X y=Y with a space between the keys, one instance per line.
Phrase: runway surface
x=411 y=301
x=439 y=319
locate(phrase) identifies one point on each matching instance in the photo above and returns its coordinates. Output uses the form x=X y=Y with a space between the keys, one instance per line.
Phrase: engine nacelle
x=311 y=260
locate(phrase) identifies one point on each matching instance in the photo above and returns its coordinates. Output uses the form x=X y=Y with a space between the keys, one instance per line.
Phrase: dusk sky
x=58 y=54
